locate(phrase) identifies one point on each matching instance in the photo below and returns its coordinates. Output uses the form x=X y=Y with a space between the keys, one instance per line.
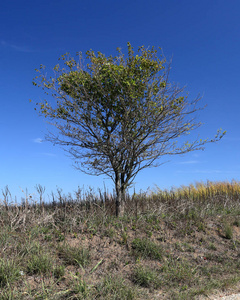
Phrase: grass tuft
x=228 y=231
x=9 y=272
x=39 y=264
x=146 y=277
x=146 y=249
x=114 y=288
x=78 y=256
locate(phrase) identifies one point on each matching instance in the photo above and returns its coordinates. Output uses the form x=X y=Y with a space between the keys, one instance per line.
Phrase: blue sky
x=201 y=37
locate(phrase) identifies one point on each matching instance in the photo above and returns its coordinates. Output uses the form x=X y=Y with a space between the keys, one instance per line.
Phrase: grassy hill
x=177 y=244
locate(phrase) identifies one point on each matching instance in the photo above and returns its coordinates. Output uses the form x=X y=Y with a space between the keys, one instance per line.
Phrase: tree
x=118 y=115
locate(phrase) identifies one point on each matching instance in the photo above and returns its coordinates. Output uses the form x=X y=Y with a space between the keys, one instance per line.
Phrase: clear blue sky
x=202 y=38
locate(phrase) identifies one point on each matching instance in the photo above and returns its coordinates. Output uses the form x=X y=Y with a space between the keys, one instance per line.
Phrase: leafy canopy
x=118 y=115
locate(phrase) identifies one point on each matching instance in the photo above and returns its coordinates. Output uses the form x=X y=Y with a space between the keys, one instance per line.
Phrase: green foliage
x=118 y=114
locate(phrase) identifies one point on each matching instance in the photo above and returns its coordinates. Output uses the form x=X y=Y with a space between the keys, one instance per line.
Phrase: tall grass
x=79 y=209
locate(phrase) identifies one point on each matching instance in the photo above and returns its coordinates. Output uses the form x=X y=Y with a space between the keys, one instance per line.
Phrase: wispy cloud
x=38 y=140
x=206 y=171
x=189 y=162
x=15 y=47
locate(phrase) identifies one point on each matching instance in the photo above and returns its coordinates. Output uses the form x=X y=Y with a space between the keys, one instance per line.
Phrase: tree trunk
x=119 y=200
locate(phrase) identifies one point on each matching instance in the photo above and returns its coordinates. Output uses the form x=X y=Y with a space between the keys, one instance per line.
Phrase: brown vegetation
x=178 y=244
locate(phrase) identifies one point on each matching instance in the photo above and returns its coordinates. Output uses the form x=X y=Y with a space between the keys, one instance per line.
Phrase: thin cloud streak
x=38 y=140
x=189 y=162
x=200 y=171
x=206 y=172
x=48 y=154
x=15 y=47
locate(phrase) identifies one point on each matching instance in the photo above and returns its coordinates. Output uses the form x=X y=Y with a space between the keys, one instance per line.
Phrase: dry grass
x=177 y=244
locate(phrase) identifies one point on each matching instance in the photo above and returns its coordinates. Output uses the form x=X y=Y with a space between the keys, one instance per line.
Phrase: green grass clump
x=114 y=288
x=175 y=272
x=228 y=231
x=39 y=264
x=31 y=247
x=80 y=289
x=58 y=271
x=211 y=246
x=146 y=249
x=146 y=277
x=9 y=272
x=74 y=255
